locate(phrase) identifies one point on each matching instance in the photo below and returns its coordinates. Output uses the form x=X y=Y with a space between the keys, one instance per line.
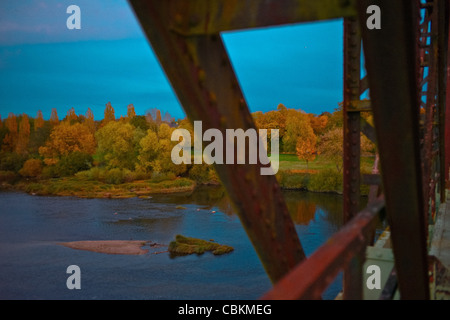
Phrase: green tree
x=117 y=145
x=156 y=152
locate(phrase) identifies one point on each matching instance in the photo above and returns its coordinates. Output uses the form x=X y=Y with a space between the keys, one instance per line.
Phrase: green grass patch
x=82 y=187
x=186 y=245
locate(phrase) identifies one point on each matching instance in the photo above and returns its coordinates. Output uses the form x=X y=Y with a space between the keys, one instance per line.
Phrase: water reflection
x=31 y=227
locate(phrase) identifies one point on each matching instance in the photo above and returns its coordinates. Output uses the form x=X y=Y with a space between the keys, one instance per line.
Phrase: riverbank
x=83 y=188
x=327 y=181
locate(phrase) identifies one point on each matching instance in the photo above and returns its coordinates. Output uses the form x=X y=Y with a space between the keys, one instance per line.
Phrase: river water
x=33 y=265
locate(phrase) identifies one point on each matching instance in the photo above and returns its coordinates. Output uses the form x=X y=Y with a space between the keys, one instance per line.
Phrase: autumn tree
x=31 y=168
x=331 y=146
x=10 y=140
x=23 y=135
x=54 y=120
x=71 y=116
x=158 y=118
x=141 y=123
x=66 y=139
x=117 y=142
x=306 y=147
x=155 y=152
x=89 y=120
x=297 y=127
x=130 y=112
x=109 y=114
x=39 y=121
x=318 y=123
x=38 y=138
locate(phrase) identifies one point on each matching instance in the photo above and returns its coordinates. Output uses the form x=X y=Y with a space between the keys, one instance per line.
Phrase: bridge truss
x=406 y=64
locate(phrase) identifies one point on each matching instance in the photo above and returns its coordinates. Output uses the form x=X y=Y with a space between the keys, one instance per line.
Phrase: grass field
x=291 y=162
x=320 y=175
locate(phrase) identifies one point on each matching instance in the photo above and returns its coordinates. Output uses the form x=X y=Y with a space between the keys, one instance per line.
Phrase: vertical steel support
x=352 y=285
x=393 y=87
x=446 y=122
x=428 y=47
x=201 y=74
x=442 y=85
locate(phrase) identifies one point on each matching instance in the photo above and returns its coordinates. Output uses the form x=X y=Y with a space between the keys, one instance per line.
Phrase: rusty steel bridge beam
x=352 y=284
x=202 y=17
x=391 y=66
x=325 y=263
x=443 y=20
x=201 y=74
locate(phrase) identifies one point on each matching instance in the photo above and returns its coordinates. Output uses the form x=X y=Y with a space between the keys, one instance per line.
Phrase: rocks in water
x=186 y=245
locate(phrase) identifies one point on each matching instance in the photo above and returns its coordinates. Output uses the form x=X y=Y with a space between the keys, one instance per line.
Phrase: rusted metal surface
x=313 y=276
x=201 y=74
x=390 y=287
x=447 y=119
x=201 y=17
x=185 y=37
x=428 y=52
x=443 y=33
x=393 y=88
x=352 y=147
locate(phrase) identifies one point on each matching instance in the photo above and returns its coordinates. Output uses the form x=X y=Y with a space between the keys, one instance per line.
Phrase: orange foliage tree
x=65 y=139
x=130 y=112
x=54 y=120
x=23 y=136
x=89 y=120
x=10 y=140
x=39 y=121
x=306 y=147
x=109 y=114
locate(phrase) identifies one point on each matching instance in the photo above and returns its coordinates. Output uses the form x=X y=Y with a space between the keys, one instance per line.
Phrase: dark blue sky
x=43 y=65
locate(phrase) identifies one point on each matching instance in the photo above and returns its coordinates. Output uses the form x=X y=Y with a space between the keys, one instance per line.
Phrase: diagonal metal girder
x=201 y=74
x=391 y=66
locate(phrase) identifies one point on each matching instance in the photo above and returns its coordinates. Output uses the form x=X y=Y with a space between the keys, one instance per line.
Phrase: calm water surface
x=33 y=265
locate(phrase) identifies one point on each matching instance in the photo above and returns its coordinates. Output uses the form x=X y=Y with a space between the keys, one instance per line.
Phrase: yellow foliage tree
x=155 y=152
x=297 y=127
x=117 y=145
x=65 y=139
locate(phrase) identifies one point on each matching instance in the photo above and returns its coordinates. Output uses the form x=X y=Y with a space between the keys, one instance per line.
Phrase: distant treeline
x=139 y=146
